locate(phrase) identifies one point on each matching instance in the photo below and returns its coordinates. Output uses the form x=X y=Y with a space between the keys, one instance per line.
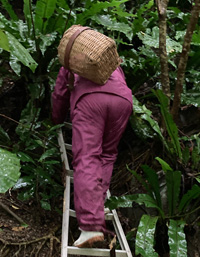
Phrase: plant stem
x=68 y=16
x=183 y=215
x=184 y=58
x=12 y=213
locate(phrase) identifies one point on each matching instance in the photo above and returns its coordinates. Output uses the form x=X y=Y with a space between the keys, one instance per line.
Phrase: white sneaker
x=106 y=210
x=87 y=238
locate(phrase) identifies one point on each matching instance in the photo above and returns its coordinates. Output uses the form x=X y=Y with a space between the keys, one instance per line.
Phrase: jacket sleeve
x=60 y=97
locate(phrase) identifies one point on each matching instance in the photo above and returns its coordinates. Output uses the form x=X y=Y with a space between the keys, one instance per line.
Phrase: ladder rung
x=94 y=251
x=108 y=216
x=70 y=173
x=72 y=213
x=68 y=125
x=68 y=146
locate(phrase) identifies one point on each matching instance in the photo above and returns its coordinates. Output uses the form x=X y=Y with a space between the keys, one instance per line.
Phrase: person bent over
x=99 y=115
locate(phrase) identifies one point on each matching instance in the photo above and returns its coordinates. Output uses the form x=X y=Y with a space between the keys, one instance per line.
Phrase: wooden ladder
x=67 y=213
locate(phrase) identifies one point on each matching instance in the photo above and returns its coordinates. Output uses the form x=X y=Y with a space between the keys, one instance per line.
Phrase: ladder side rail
x=68 y=125
x=65 y=220
x=66 y=201
x=119 y=231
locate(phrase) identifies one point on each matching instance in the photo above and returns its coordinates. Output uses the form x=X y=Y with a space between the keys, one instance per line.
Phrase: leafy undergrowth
x=38 y=232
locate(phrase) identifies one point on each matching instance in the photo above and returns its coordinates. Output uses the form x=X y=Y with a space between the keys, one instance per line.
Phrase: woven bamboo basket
x=92 y=55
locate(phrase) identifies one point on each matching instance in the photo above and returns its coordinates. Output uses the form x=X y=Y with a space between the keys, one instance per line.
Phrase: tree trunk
x=184 y=58
x=162 y=13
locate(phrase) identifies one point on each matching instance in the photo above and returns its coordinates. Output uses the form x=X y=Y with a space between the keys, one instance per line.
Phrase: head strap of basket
x=88 y=53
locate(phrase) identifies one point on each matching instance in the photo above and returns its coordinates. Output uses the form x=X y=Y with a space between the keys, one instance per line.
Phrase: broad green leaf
x=173 y=180
x=165 y=166
x=49 y=153
x=180 y=35
x=152 y=178
x=15 y=64
x=4 y=41
x=113 y=25
x=44 y=10
x=140 y=22
x=141 y=180
x=63 y=4
x=195 y=154
x=25 y=157
x=4 y=23
x=47 y=40
x=19 y=51
x=148 y=201
x=28 y=119
x=151 y=39
x=145 y=237
x=144 y=117
x=119 y=12
x=177 y=240
x=192 y=97
x=45 y=205
x=27 y=194
x=45 y=177
x=186 y=155
x=198 y=179
x=58 y=21
x=170 y=124
x=9 y=9
x=56 y=127
x=27 y=13
x=22 y=34
x=177 y=13
x=141 y=128
x=195 y=158
x=4 y=137
x=195 y=38
x=95 y=8
x=9 y=170
x=23 y=182
x=191 y=194
x=126 y=201
x=51 y=162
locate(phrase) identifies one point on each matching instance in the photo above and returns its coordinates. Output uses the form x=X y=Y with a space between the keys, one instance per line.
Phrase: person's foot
x=106 y=210
x=88 y=238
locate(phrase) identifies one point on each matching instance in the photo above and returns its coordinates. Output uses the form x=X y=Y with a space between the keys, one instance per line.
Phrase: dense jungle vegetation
x=159 y=43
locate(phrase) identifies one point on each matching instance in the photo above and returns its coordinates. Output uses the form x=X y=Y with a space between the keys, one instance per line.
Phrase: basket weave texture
x=93 y=55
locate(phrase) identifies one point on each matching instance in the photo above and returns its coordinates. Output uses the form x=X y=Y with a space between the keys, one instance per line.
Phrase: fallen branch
x=5 y=253
x=12 y=213
x=40 y=247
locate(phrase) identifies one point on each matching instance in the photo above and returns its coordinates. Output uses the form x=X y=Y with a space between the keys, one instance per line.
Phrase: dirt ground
x=39 y=237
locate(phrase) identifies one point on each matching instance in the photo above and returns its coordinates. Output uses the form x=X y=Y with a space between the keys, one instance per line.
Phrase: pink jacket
x=62 y=98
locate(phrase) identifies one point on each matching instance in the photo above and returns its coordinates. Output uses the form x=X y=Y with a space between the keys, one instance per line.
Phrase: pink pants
x=98 y=120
